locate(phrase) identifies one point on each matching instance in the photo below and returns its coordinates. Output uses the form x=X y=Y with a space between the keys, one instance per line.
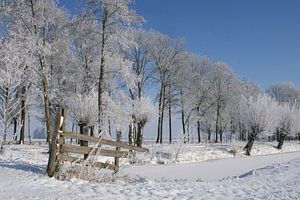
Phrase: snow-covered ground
x=186 y=153
x=22 y=174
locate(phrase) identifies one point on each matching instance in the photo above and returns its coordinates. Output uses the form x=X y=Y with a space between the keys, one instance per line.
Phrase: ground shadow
x=22 y=166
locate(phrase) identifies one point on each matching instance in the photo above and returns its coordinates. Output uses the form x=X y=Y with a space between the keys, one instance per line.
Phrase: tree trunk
x=159 y=114
x=134 y=134
x=281 y=140
x=23 y=116
x=242 y=133
x=221 y=135
x=162 y=115
x=73 y=129
x=232 y=135
x=29 y=131
x=249 y=145
x=278 y=135
x=182 y=113
x=84 y=131
x=170 y=122
x=217 y=122
x=92 y=131
x=4 y=135
x=47 y=107
x=161 y=108
x=45 y=81
x=209 y=134
x=5 y=117
x=198 y=126
x=139 y=140
x=188 y=132
x=15 y=138
x=199 y=131
x=101 y=75
x=131 y=133
x=109 y=127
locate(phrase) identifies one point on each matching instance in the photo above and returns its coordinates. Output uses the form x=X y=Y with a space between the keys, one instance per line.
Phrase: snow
x=210 y=170
x=186 y=153
x=276 y=176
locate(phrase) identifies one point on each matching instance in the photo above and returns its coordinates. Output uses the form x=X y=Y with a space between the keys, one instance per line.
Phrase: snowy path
x=208 y=170
x=276 y=181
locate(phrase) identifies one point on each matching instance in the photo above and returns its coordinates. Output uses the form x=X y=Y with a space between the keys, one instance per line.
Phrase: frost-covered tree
x=173 y=91
x=38 y=25
x=85 y=39
x=288 y=122
x=224 y=84
x=207 y=124
x=115 y=20
x=143 y=111
x=166 y=54
x=259 y=115
x=284 y=93
x=244 y=90
x=83 y=111
x=143 y=70
x=11 y=69
x=196 y=87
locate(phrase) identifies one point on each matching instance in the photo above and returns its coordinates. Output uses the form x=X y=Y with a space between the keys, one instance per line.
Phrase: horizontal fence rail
x=103 y=141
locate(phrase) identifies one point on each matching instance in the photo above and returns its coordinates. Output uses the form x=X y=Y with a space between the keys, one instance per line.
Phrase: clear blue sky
x=260 y=39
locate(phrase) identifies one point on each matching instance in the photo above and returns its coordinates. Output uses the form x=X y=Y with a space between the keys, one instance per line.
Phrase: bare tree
x=144 y=71
x=165 y=54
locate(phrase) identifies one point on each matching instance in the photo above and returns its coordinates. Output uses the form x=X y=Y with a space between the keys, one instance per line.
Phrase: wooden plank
x=114 y=153
x=100 y=151
x=105 y=165
x=95 y=164
x=70 y=159
x=123 y=145
x=104 y=141
x=75 y=149
x=79 y=136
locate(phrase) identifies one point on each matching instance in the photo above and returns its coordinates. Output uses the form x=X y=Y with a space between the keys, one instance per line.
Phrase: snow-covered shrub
x=178 y=148
x=68 y=171
x=259 y=115
x=73 y=171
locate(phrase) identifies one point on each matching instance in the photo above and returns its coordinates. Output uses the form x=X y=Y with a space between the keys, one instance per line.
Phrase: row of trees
x=102 y=66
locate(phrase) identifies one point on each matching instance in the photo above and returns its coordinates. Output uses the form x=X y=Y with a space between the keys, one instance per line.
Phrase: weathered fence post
x=117 y=159
x=53 y=153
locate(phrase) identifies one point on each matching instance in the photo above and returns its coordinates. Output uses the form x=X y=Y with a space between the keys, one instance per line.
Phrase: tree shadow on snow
x=22 y=166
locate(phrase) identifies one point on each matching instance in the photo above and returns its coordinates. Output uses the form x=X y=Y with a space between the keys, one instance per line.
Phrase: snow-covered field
x=168 y=171
x=186 y=153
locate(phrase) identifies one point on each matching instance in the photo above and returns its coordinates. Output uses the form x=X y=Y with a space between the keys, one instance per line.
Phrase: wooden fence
x=60 y=150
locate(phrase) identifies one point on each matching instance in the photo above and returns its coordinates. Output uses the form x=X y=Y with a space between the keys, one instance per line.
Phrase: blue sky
x=259 y=39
